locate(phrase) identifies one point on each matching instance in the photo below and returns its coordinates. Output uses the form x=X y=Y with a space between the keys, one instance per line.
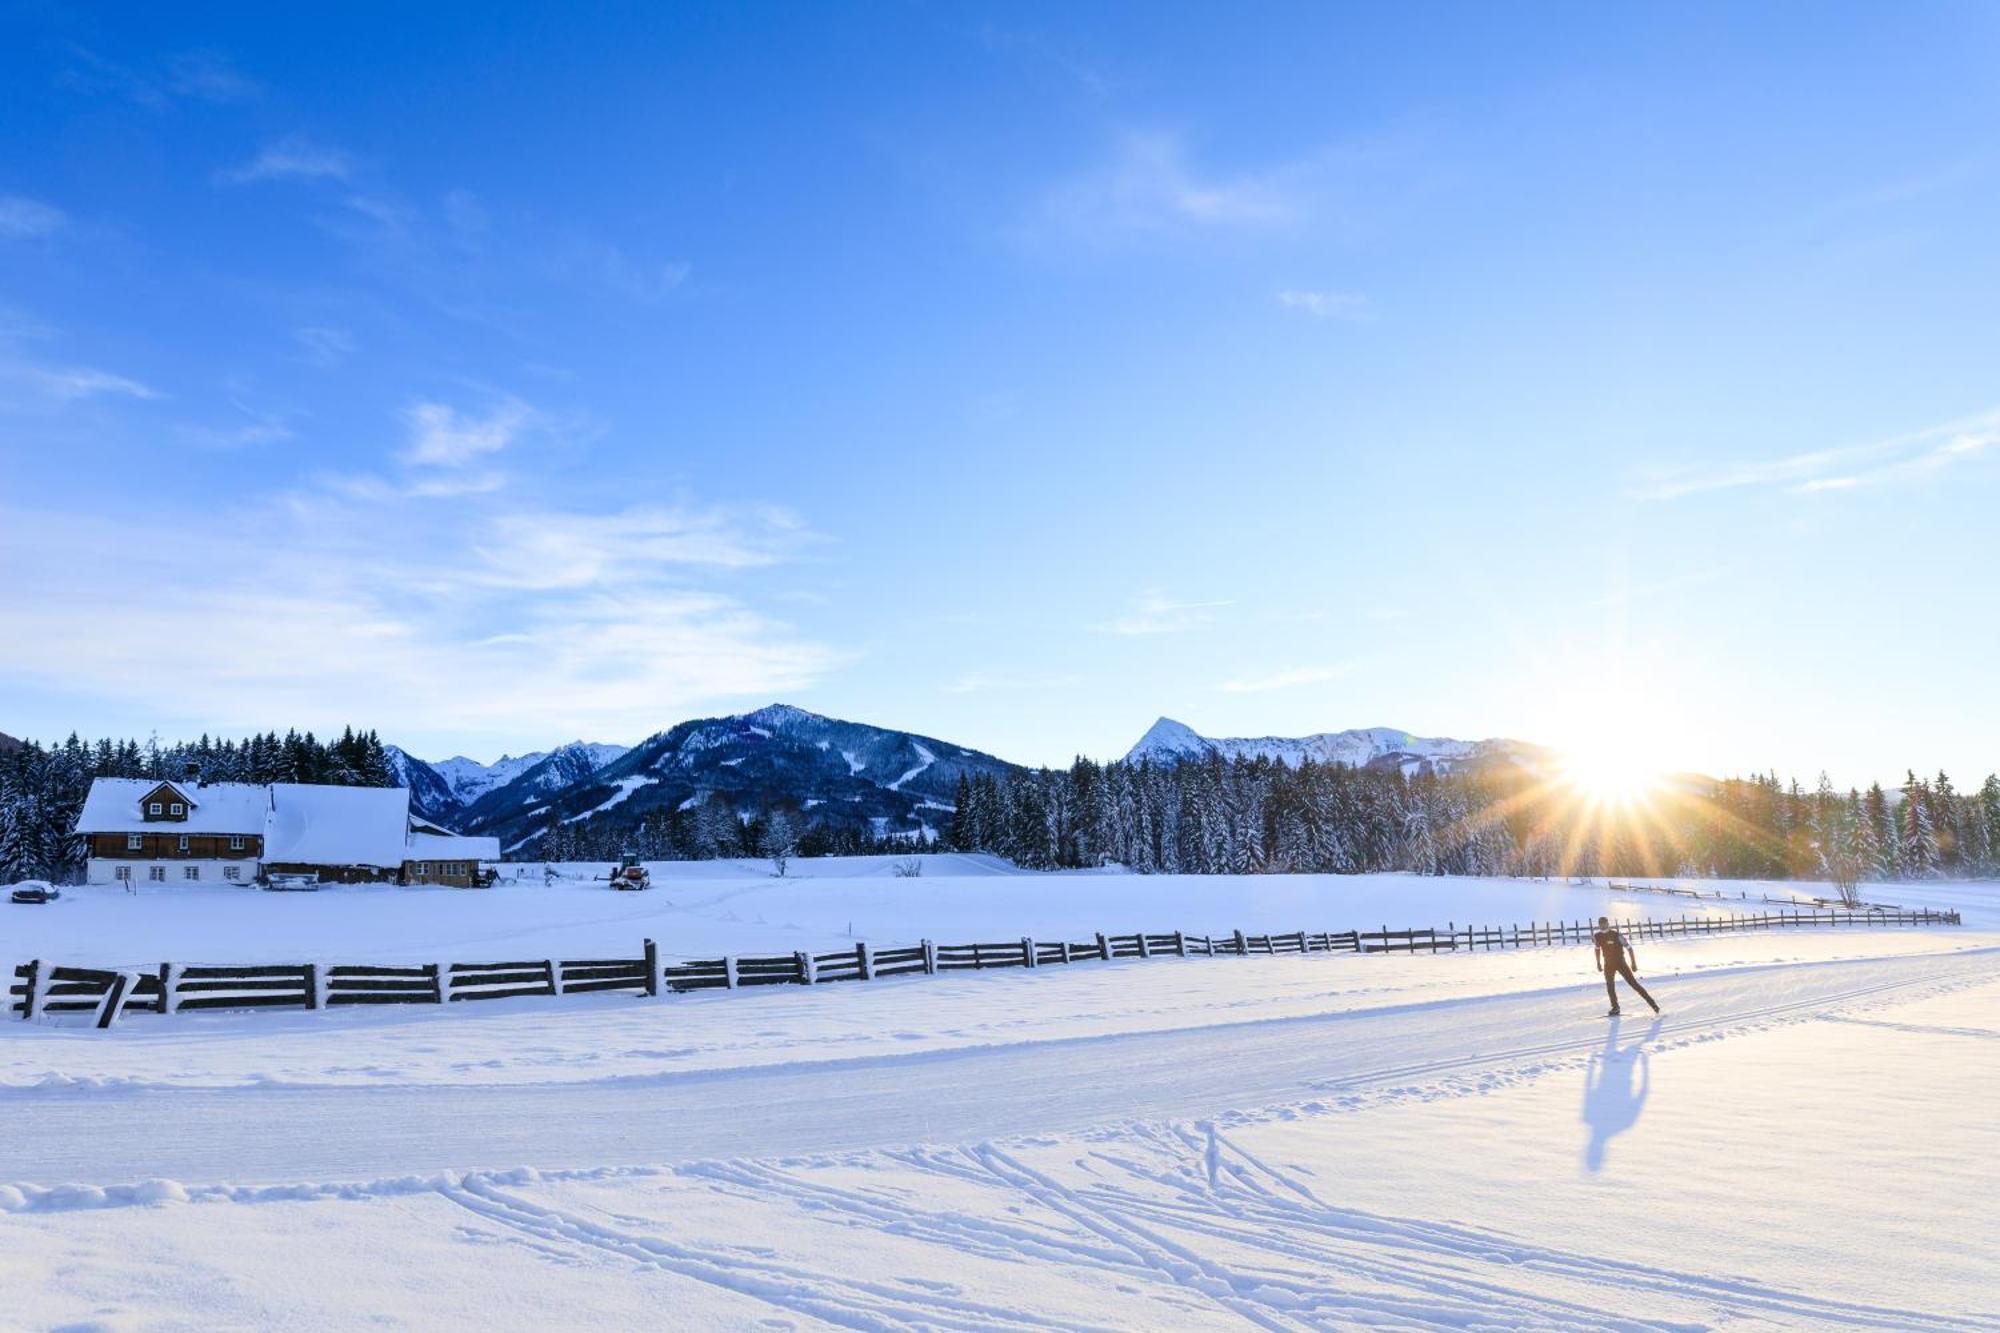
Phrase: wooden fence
x=46 y=988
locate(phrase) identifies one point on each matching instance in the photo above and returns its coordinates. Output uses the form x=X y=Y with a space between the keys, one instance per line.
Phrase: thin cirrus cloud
x=546 y=551
x=1154 y=612
x=323 y=347
x=1150 y=184
x=1325 y=304
x=202 y=75
x=1901 y=458
x=291 y=158
x=1288 y=679
x=70 y=383
x=22 y=218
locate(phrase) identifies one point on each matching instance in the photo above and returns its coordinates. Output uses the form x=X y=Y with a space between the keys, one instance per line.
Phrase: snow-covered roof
x=112 y=806
x=451 y=847
x=337 y=826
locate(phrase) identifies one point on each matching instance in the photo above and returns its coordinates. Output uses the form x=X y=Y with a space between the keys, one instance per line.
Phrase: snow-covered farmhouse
x=237 y=832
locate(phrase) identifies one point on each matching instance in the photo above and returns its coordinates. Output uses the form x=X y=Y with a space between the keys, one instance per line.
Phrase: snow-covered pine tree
x=1920 y=848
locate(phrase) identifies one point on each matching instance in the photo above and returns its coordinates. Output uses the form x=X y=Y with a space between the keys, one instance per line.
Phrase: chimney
x=194 y=774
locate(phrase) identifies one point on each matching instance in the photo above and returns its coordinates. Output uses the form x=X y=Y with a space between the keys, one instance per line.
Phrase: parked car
x=307 y=882
x=34 y=891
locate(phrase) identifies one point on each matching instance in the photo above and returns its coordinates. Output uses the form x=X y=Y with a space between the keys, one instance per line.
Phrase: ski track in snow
x=924 y=760
x=1284 y=1067
x=1096 y=1162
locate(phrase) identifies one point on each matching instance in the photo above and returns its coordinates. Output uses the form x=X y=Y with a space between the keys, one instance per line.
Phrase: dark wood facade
x=453 y=874
x=337 y=874
x=167 y=846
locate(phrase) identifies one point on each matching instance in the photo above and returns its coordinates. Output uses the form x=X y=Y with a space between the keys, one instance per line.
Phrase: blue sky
x=1014 y=374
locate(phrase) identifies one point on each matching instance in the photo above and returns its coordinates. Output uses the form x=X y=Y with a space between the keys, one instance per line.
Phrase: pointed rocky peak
x=1168 y=739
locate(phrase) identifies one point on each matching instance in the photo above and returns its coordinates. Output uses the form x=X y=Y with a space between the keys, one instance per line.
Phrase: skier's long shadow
x=1615 y=1085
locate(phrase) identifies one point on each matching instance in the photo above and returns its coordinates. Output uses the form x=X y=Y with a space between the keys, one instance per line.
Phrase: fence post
x=930 y=958
x=1144 y=952
x=1028 y=958
x=652 y=969
x=315 y=987
x=1103 y=947
x=867 y=957
x=804 y=962
x=114 y=999
x=437 y=975
x=169 y=1003
x=729 y=971
x=1180 y=945
x=32 y=1000
x=554 y=970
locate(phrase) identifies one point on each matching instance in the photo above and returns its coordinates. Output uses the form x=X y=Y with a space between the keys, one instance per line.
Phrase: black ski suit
x=1613 y=961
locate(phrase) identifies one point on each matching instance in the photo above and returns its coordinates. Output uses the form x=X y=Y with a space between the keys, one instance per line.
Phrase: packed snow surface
x=1804 y=1138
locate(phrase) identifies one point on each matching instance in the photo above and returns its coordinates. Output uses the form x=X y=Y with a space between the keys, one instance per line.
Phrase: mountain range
x=1168 y=741
x=846 y=774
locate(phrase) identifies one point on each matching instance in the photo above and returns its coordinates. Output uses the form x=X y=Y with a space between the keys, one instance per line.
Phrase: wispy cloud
x=1903 y=457
x=22 y=218
x=1153 y=612
x=66 y=384
x=291 y=158
x=204 y=76
x=442 y=436
x=539 y=549
x=210 y=77
x=1290 y=678
x=1150 y=185
x=420 y=647
x=608 y=266
x=255 y=428
x=323 y=347
x=1325 y=304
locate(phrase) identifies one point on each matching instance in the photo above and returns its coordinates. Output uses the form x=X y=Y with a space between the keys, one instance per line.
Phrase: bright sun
x=1612 y=774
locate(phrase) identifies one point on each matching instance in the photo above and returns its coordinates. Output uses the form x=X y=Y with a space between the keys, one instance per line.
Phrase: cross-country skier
x=1615 y=959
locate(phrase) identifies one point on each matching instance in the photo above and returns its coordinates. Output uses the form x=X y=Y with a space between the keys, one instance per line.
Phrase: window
x=156 y=873
x=178 y=809
x=153 y=809
x=184 y=842
x=123 y=872
x=236 y=842
x=423 y=867
x=135 y=842
x=455 y=868
x=190 y=872
x=232 y=872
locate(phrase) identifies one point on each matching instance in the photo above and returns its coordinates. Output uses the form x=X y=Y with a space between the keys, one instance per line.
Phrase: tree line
x=1251 y=815
x=1205 y=816
x=42 y=787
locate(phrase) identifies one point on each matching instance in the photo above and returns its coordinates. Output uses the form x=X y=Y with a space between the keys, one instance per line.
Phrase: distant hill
x=9 y=743
x=1168 y=741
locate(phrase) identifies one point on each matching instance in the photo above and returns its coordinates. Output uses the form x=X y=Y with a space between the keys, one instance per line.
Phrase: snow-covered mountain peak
x=778 y=716
x=1168 y=741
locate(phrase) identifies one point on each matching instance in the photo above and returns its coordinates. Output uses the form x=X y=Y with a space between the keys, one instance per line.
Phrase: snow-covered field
x=1804 y=1139
x=708 y=908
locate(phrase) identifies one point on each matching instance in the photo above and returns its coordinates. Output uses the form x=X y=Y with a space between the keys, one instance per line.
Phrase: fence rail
x=42 y=988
